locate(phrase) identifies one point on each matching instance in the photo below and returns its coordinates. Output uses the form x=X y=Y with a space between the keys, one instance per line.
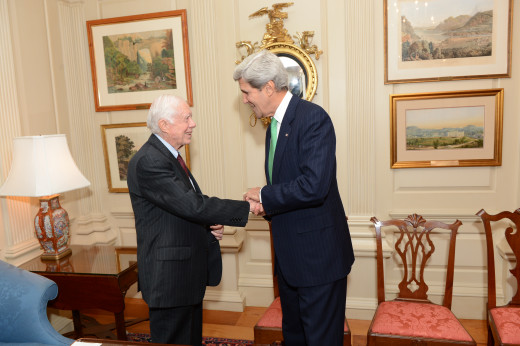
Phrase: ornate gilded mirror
x=303 y=76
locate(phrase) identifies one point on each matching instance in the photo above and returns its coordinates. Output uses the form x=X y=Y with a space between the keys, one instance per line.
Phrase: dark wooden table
x=92 y=277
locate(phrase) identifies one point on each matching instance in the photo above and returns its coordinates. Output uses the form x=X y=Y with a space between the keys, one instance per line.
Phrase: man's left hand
x=217 y=231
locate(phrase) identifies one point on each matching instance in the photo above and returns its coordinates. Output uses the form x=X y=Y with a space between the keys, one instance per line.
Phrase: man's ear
x=269 y=88
x=163 y=123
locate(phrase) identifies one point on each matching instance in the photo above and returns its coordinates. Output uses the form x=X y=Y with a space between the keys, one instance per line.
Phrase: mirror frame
x=303 y=59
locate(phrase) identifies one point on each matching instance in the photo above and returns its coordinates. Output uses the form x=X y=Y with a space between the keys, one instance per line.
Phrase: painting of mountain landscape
x=445 y=128
x=446 y=29
x=142 y=61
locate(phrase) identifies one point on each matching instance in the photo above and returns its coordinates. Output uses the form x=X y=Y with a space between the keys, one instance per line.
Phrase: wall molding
x=92 y=225
x=444 y=216
x=255 y=280
x=360 y=114
x=16 y=228
x=92 y=229
x=215 y=299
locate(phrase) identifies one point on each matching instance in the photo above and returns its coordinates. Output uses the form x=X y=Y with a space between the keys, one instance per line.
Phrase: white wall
x=51 y=91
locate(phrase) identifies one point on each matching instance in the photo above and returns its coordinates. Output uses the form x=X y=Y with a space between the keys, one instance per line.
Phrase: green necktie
x=272 y=147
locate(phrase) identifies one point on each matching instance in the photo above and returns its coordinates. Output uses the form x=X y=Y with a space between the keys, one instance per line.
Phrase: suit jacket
x=174 y=242
x=310 y=233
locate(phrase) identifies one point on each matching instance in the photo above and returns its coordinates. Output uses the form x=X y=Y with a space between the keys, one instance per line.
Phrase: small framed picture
x=134 y=59
x=120 y=143
x=447 y=129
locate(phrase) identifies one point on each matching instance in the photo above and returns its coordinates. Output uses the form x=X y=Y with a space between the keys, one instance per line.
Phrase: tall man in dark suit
x=177 y=226
x=313 y=249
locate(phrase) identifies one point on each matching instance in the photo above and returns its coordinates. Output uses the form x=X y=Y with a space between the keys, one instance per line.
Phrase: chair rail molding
x=465 y=216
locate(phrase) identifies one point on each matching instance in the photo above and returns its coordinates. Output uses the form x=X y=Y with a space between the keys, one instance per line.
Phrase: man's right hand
x=252 y=194
x=256 y=207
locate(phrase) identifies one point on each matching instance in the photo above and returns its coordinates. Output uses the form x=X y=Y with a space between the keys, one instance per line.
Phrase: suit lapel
x=195 y=185
x=179 y=171
x=283 y=135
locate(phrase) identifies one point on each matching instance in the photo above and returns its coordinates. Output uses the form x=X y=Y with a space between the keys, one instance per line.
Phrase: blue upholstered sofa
x=23 y=308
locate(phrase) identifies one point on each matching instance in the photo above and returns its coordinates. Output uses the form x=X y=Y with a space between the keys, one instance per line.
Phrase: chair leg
x=490 y=339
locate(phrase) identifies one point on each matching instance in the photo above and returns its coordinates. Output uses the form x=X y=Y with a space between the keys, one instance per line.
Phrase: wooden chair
x=503 y=321
x=411 y=318
x=268 y=330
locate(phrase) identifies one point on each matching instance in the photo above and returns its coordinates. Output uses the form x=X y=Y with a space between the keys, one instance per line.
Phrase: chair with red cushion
x=268 y=330
x=503 y=321
x=411 y=318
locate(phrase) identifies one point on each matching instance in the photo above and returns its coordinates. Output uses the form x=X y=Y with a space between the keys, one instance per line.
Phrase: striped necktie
x=272 y=147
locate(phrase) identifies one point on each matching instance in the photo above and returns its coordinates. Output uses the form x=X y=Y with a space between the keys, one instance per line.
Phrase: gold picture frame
x=446 y=129
x=120 y=143
x=430 y=41
x=134 y=59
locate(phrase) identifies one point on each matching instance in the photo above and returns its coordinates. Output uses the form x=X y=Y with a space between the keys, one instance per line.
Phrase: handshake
x=253 y=197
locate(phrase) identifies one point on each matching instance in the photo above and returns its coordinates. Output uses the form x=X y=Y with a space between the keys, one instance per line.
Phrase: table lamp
x=43 y=167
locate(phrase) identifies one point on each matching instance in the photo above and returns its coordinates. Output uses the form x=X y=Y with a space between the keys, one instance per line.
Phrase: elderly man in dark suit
x=177 y=226
x=313 y=249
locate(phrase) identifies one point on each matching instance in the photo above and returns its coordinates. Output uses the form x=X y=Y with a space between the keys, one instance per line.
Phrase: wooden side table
x=93 y=277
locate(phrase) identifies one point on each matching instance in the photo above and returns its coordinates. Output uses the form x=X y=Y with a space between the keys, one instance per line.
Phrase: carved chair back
x=512 y=236
x=414 y=247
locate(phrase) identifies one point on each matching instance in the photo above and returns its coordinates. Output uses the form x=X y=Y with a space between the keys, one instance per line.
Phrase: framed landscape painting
x=446 y=129
x=440 y=40
x=120 y=143
x=134 y=59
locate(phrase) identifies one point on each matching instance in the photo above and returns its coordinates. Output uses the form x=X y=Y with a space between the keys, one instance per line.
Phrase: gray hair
x=163 y=107
x=261 y=67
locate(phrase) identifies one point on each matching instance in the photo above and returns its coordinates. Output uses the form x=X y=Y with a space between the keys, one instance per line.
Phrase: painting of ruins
x=140 y=61
x=134 y=59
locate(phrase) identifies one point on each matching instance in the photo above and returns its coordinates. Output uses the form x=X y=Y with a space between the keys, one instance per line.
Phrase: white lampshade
x=42 y=166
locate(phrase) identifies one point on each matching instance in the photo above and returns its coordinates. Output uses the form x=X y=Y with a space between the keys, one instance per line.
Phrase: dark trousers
x=313 y=316
x=178 y=325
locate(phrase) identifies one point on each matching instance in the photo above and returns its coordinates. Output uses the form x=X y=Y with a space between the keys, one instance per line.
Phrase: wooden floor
x=239 y=325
